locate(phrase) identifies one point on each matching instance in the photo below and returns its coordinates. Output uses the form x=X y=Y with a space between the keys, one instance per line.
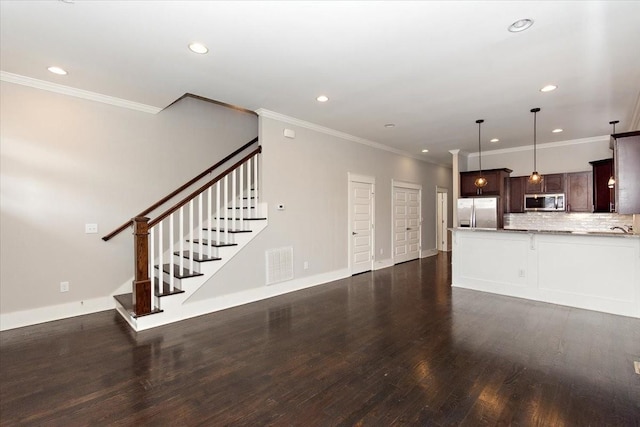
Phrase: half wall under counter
x=599 y=271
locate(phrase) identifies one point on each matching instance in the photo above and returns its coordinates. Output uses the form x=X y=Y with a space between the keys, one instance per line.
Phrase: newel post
x=141 y=282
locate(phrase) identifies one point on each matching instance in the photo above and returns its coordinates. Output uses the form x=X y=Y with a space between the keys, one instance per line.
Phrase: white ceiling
x=432 y=68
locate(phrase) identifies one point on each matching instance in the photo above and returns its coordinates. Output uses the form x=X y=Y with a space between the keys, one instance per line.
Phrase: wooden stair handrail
x=204 y=187
x=179 y=190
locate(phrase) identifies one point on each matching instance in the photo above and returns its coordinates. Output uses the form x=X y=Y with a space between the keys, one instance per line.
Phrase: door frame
x=363 y=179
x=447 y=246
x=411 y=186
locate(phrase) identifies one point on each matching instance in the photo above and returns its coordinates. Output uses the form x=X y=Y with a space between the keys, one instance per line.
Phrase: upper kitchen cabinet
x=553 y=183
x=579 y=191
x=516 y=194
x=603 y=196
x=496 y=185
x=626 y=154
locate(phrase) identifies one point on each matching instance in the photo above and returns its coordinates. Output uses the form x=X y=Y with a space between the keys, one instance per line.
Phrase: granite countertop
x=558 y=232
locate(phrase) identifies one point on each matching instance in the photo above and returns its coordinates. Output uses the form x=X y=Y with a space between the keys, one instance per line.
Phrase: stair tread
x=165 y=289
x=126 y=301
x=230 y=231
x=242 y=207
x=245 y=219
x=176 y=271
x=197 y=257
x=213 y=243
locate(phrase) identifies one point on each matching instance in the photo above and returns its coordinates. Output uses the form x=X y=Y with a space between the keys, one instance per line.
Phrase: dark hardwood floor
x=393 y=347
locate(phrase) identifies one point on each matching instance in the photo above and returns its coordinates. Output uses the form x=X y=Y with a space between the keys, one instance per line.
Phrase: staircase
x=187 y=244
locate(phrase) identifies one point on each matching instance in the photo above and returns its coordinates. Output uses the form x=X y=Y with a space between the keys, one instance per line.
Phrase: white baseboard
x=199 y=308
x=428 y=252
x=18 y=319
x=383 y=263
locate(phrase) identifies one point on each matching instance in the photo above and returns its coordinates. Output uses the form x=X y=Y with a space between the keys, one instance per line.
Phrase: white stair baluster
x=192 y=236
x=255 y=184
x=234 y=205
x=218 y=213
x=200 y=225
x=181 y=237
x=241 y=196
x=160 y=254
x=226 y=209
x=171 y=263
x=209 y=222
x=249 y=186
x=152 y=255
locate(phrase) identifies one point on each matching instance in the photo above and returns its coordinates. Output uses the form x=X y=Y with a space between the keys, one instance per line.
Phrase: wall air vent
x=279 y=264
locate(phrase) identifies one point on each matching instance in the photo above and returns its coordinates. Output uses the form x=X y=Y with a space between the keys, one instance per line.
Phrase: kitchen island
x=596 y=271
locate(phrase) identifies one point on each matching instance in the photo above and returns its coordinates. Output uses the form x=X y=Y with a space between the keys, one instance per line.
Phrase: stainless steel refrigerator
x=478 y=212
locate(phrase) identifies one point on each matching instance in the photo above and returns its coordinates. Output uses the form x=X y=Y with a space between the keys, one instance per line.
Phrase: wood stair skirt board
x=167 y=305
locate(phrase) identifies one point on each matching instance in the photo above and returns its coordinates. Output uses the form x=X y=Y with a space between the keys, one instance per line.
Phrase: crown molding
x=312 y=126
x=78 y=93
x=556 y=144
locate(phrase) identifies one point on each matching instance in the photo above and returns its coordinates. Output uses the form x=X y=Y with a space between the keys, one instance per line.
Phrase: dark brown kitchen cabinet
x=495 y=183
x=579 y=190
x=603 y=196
x=552 y=183
x=516 y=194
x=626 y=154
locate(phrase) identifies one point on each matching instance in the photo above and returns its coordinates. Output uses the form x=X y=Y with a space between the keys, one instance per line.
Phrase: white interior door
x=361 y=239
x=441 y=222
x=406 y=224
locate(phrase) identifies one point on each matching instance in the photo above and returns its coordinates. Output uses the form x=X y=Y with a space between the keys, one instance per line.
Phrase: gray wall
x=309 y=175
x=67 y=161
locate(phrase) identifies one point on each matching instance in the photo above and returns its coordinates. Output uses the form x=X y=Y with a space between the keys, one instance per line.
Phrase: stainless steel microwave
x=544 y=202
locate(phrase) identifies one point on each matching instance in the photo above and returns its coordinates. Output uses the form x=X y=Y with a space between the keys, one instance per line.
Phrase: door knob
x=408 y=229
x=353 y=233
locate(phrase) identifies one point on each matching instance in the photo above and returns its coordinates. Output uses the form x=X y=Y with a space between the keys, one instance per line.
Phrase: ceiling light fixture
x=198 y=48
x=390 y=125
x=612 y=181
x=480 y=181
x=520 y=25
x=557 y=130
x=549 y=88
x=322 y=98
x=495 y=140
x=535 y=177
x=57 y=70
x=425 y=151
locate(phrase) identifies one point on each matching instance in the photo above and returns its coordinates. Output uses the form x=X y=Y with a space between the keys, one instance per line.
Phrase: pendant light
x=535 y=177
x=480 y=181
x=612 y=181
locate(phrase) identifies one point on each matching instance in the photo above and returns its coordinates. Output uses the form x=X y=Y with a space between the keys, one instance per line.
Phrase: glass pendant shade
x=480 y=181
x=535 y=178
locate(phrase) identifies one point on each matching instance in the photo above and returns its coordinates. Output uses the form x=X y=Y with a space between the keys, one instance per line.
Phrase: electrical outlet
x=91 y=228
x=521 y=272
x=64 y=286
x=306 y=265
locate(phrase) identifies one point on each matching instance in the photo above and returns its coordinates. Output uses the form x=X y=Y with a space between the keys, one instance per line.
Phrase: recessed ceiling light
x=198 y=48
x=425 y=151
x=390 y=125
x=495 y=140
x=322 y=98
x=557 y=130
x=549 y=88
x=520 y=25
x=57 y=70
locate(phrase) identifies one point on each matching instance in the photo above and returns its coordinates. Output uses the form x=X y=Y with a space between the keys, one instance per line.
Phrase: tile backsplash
x=562 y=221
